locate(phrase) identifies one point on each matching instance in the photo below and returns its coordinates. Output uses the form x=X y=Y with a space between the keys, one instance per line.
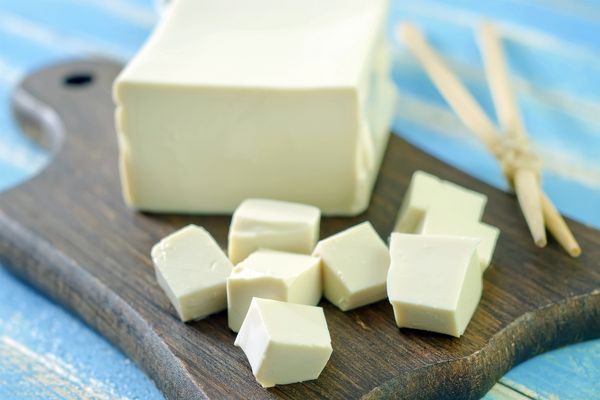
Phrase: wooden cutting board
x=68 y=232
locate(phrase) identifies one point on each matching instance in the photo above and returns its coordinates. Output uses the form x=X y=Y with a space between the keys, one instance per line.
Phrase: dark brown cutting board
x=68 y=232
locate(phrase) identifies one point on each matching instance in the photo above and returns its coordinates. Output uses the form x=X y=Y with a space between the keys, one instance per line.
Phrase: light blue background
x=554 y=52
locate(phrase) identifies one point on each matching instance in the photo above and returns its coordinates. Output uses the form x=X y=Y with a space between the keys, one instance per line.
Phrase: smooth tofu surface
x=192 y=270
x=422 y=190
x=441 y=221
x=199 y=132
x=272 y=224
x=426 y=190
x=333 y=34
x=294 y=278
x=467 y=203
x=434 y=282
x=284 y=342
x=355 y=265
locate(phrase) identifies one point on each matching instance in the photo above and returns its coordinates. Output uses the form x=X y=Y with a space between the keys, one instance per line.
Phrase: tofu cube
x=426 y=189
x=272 y=224
x=284 y=342
x=465 y=203
x=192 y=270
x=295 y=278
x=439 y=220
x=434 y=282
x=422 y=190
x=232 y=99
x=355 y=265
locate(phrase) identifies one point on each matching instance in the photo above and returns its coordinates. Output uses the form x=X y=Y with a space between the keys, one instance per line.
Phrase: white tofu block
x=192 y=270
x=233 y=99
x=434 y=282
x=294 y=278
x=272 y=224
x=284 y=342
x=426 y=189
x=355 y=265
x=439 y=220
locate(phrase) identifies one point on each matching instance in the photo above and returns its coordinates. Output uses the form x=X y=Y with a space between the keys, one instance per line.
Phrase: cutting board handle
x=43 y=101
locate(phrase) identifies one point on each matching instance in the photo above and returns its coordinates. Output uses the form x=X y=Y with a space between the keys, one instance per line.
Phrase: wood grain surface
x=69 y=233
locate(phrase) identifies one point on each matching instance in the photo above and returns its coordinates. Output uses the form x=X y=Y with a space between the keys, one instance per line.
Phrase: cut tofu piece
x=284 y=342
x=295 y=278
x=466 y=203
x=272 y=224
x=219 y=106
x=355 y=266
x=439 y=220
x=426 y=189
x=422 y=190
x=192 y=270
x=434 y=282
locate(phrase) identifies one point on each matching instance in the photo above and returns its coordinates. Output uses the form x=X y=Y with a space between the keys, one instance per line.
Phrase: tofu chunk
x=272 y=224
x=284 y=342
x=355 y=266
x=434 y=282
x=295 y=278
x=192 y=270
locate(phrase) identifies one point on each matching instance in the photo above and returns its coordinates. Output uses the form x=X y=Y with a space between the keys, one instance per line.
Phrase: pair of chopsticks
x=519 y=164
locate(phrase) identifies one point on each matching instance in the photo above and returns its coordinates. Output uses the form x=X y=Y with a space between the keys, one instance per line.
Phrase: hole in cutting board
x=78 y=79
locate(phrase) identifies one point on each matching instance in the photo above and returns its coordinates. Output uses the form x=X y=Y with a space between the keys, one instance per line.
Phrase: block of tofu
x=232 y=99
x=355 y=264
x=426 y=189
x=434 y=282
x=192 y=270
x=284 y=342
x=440 y=220
x=272 y=224
x=276 y=275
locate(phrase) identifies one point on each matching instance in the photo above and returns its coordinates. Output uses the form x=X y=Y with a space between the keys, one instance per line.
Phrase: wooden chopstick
x=528 y=193
x=558 y=227
x=471 y=114
x=525 y=180
x=498 y=80
x=526 y=184
x=459 y=98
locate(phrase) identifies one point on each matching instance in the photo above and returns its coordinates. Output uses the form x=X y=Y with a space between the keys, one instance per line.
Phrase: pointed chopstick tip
x=541 y=242
x=575 y=251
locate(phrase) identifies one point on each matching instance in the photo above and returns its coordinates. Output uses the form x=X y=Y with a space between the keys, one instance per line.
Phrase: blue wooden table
x=554 y=52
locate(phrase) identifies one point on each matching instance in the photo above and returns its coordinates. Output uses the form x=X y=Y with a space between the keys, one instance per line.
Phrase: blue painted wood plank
x=502 y=392
x=92 y=26
x=45 y=352
x=570 y=373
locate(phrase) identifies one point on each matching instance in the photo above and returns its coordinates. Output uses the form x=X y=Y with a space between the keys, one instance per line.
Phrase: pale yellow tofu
x=422 y=190
x=434 y=282
x=355 y=265
x=295 y=278
x=271 y=224
x=441 y=221
x=231 y=99
x=284 y=342
x=192 y=270
x=426 y=190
